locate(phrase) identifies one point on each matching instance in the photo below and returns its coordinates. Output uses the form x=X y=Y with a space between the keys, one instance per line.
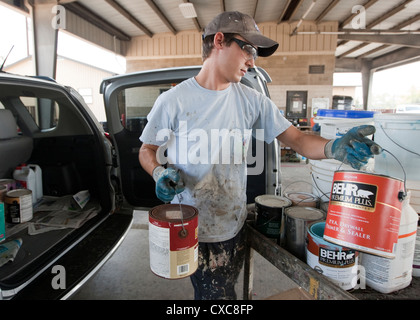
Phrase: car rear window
x=135 y=103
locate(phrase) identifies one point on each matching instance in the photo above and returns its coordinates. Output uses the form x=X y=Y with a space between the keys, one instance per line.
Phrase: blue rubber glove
x=168 y=183
x=353 y=148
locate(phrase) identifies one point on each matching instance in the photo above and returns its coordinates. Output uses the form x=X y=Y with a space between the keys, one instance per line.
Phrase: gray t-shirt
x=206 y=134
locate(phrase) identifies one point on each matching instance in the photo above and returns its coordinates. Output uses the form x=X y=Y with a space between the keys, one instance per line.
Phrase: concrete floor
x=127 y=276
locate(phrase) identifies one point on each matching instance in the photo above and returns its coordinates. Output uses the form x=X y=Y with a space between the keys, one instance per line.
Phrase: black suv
x=56 y=131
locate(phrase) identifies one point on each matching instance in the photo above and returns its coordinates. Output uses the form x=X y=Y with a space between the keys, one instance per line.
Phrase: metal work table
x=316 y=284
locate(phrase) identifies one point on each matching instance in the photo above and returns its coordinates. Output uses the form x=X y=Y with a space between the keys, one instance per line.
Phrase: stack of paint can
x=399 y=134
x=5 y=186
x=368 y=212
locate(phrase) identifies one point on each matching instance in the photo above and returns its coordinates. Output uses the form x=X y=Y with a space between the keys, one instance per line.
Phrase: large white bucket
x=414 y=187
x=399 y=134
x=322 y=174
x=335 y=123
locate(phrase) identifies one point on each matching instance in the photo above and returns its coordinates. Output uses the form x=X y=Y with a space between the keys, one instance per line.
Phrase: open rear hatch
x=74 y=155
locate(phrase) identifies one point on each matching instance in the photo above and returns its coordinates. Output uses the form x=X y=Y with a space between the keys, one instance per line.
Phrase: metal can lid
x=18 y=193
x=273 y=201
x=172 y=212
x=306 y=213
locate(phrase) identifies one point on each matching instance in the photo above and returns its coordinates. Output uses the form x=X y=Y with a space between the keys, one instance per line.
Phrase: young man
x=202 y=114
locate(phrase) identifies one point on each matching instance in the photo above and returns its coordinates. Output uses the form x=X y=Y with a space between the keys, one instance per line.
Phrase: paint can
x=2 y=222
x=3 y=190
x=9 y=183
x=364 y=212
x=270 y=213
x=297 y=220
x=303 y=199
x=173 y=240
x=337 y=263
x=19 y=205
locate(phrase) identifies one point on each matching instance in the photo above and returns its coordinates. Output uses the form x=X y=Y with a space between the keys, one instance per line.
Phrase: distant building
x=82 y=77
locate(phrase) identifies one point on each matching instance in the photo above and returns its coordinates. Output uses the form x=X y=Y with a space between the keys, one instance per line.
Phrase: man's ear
x=219 y=38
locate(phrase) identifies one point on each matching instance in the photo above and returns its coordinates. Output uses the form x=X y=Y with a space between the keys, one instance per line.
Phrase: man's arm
x=308 y=145
x=147 y=157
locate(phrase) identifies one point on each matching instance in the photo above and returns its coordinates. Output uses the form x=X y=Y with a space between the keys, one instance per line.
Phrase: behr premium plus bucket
x=173 y=240
x=364 y=212
x=335 y=262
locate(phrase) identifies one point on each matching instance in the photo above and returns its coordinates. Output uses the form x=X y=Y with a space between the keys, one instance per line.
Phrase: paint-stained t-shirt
x=206 y=134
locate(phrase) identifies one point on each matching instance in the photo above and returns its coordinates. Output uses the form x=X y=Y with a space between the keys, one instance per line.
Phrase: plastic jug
x=38 y=181
x=25 y=179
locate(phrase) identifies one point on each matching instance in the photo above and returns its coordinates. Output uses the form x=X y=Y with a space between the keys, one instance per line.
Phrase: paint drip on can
x=173 y=240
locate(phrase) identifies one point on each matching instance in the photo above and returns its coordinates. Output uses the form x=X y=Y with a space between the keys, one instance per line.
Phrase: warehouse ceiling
x=387 y=32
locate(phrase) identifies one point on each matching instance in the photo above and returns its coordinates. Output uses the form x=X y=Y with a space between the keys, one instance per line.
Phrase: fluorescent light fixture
x=187 y=10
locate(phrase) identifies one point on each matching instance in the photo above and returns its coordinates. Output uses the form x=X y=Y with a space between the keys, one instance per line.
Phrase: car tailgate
x=80 y=262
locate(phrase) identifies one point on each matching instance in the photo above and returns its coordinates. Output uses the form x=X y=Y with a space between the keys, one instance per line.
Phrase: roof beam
x=294 y=6
x=399 y=26
x=348 y=65
x=97 y=21
x=283 y=13
x=407 y=40
x=162 y=17
x=360 y=46
x=222 y=5
x=396 y=58
x=129 y=16
x=381 y=19
x=350 y=18
x=289 y=10
x=388 y=14
x=331 y=6
x=383 y=47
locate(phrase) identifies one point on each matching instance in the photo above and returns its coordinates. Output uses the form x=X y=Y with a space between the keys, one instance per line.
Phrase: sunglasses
x=249 y=49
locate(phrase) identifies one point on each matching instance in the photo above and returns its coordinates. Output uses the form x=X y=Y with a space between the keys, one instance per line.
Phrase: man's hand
x=168 y=183
x=353 y=148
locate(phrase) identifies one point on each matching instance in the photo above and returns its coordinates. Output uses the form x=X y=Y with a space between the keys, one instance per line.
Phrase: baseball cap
x=245 y=26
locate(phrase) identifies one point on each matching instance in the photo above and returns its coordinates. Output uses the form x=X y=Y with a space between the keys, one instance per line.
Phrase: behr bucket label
x=354 y=195
x=364 y=212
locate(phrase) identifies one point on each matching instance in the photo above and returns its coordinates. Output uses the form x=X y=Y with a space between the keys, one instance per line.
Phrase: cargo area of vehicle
x=69 y=165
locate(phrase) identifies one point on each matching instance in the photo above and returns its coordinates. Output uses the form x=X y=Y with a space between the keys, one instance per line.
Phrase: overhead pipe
x=294 y=32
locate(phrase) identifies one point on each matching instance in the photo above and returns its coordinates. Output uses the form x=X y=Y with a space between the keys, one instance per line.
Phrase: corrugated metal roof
x=150 y=17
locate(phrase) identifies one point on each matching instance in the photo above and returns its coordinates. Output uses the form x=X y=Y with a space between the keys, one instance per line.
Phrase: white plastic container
x=416 y=260
x=25 y=179
x=38 y=181
x=414 y=188
x=335 y=123
x=389 y=275
x=398 y=133
x=322 y=174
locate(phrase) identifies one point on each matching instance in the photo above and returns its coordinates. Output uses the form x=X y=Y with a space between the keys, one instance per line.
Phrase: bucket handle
x=284 y=190
x=402 y=194
x=417 y=154
x=318 y=189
